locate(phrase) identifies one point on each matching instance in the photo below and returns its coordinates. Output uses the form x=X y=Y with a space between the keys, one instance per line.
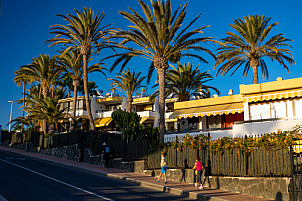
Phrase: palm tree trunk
x=161 y=90
x=44 y=93
x=254 y=63
x=255 y=75
x=75 y=92
x=85 y=79
x=23 y=109
x=129 y=101
x=69 y=92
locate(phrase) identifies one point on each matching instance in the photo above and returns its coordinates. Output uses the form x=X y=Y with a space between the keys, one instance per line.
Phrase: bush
x=132 y=130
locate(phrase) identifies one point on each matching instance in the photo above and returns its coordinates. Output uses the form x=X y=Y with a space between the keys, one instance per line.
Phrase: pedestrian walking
x=198 y=167
x=163 y=165
x=106 y=153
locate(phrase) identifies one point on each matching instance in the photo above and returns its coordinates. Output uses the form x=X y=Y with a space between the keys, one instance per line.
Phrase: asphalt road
x=27 y=179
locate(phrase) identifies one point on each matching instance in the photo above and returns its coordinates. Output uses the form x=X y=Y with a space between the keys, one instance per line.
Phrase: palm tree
x=20 y=81
x=43 y=70
x=65 y=82
x=82 y=33
x=49 y=110
x=184 y=81
x=250 y=45
x=159 y=37
x=128 y=81
x=40 y=109
x=72 y=63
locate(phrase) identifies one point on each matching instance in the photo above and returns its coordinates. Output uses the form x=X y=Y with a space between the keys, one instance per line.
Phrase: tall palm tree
x=250 y=45
x=72 y=63
x=44 y=70
x=184 y=81
x=21 y=81
x=128 y=82
x=160 y=36
x=83 y=33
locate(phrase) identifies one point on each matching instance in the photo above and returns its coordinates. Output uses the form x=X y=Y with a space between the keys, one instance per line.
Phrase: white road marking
x=72 y=186
x=2 y=198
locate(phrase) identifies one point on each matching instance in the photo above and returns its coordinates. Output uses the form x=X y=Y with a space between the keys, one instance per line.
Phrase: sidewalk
x=178 y=188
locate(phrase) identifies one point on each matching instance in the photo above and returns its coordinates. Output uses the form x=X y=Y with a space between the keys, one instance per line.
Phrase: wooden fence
x=260 y=163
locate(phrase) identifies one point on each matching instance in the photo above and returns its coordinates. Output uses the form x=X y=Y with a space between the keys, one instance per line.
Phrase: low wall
x=71 y=152
x=276 y=188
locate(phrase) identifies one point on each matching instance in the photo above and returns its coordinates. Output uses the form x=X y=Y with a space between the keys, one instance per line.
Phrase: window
x=214 y=121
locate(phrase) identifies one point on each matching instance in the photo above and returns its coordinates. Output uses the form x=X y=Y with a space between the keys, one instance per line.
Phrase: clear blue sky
x=25 y=26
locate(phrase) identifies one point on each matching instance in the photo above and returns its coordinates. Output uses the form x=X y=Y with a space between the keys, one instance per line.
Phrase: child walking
x=198 y=171
x=163 y=165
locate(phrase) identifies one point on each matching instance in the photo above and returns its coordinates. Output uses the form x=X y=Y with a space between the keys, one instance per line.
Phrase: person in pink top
x=198 y=167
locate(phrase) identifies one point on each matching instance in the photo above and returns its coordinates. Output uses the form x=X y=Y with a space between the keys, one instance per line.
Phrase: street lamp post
x=10 y=116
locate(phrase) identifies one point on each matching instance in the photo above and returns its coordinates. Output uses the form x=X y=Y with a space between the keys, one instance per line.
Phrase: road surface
x=28 y=179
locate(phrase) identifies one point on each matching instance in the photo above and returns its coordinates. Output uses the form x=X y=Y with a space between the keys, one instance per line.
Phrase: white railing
x=167 y=115
x=103 y=114
x=80 y=112
x=146 y=113
x=265 y=126
x=214 y=135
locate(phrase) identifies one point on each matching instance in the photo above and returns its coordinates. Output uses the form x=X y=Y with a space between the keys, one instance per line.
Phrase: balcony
x=215 y=133
x=102 y=114
x=146 y=113
x=79 y=112
x=258 y=127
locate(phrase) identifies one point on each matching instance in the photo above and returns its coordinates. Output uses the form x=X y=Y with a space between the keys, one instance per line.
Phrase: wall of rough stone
x=71 y=152
x=276 y=188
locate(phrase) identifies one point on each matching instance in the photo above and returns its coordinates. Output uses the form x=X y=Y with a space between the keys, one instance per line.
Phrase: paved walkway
x=178 y=188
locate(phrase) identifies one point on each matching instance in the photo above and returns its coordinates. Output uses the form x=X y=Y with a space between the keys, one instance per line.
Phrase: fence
x=215 y=133
x=5 y=136
x=260 y=163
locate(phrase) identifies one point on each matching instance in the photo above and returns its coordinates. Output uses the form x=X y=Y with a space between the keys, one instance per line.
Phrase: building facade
x=257 y=109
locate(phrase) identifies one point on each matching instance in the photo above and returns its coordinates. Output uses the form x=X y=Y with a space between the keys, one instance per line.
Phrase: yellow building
x=257 y=109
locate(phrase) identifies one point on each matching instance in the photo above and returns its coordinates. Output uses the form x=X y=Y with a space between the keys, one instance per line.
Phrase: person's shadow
x=207 y=173
x=186 y=166
x=279 y=197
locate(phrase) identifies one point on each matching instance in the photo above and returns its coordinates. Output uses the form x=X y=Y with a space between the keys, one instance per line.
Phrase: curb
x=167 y=189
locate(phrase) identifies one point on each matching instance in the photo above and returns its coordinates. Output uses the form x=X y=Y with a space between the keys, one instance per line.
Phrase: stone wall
x=276 y=188
x=71 y=152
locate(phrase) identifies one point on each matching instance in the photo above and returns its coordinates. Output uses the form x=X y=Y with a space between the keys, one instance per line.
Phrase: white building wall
x=298 y=107
x=274 y=109
x=257 y=128
x=214 y=135
x=246 y=111
x=260 y=111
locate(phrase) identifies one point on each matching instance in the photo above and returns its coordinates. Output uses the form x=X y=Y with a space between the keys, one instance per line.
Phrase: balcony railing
x=102 y=114
x=146 y=113
x=215 y=133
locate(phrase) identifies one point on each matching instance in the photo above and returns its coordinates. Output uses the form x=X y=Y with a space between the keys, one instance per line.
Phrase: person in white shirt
x=163 y=165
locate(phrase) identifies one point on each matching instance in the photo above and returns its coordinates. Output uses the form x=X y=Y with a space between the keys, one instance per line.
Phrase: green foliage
x=132 y=130
x=128 y=122
x=249 y=44
x=185 y=81
x=245 y=145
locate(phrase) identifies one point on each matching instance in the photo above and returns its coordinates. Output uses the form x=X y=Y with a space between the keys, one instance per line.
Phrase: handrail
x=265 y=120
x=200 y=130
